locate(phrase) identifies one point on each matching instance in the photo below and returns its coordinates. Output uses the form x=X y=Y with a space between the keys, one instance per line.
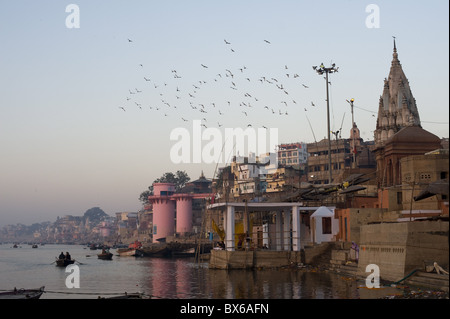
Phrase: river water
x=172 y=278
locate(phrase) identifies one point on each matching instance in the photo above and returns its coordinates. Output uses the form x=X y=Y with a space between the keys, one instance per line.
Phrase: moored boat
x=123 y=252
x=22 y=293
x=132 y=250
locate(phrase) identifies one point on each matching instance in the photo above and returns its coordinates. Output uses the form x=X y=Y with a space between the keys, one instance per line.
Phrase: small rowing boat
x=105 y=255
x=22 y=293
x=64 y=262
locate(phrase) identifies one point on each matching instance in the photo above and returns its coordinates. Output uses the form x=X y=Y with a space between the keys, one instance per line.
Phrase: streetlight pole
x=321 y=70
x=353 y=134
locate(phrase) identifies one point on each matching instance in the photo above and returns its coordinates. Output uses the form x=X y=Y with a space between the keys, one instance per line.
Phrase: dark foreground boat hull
x=23 y=293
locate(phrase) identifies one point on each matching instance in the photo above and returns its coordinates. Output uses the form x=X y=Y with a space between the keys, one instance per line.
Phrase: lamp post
x=353 y=134
x=321 y=70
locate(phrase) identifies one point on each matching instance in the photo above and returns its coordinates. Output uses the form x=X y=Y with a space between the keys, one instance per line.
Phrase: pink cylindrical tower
x=184 y=213
x=163 y=210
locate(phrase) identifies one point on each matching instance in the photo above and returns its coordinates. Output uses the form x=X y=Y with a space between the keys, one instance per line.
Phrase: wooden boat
x=64 y=262
x=155 y=250
x=123 y=252
x=190 y=252
x=132 y=250
x=105 y=255
x=22 y=293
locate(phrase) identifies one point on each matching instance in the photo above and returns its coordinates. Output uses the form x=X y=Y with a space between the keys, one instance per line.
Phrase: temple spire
x=397 y=106
x=395 y=55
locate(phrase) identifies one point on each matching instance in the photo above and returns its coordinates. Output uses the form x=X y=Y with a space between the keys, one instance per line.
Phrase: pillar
x=278 y=230
x=266 y=235
x=296 y=221
x=229 y=231
x=287 y=230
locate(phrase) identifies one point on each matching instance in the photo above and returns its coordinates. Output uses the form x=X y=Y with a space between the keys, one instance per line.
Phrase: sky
x=90 y=95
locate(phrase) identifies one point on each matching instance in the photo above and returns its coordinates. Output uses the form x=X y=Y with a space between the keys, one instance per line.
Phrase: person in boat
x=61 y=256
x=68 y=257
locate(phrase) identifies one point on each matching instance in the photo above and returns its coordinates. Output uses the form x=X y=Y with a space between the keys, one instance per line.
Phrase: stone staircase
x=348 y=270
x=429 y=280
x=318 y=254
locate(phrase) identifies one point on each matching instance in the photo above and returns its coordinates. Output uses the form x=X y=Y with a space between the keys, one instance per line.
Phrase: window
x=326 y=225
x=399 y=198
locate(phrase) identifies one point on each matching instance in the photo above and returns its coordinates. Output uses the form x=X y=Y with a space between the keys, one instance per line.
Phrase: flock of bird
x=232 y=91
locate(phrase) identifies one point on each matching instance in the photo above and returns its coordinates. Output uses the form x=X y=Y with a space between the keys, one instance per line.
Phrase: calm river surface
x=170 y=278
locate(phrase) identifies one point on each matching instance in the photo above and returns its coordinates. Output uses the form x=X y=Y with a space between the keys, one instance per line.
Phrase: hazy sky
x=67 y=146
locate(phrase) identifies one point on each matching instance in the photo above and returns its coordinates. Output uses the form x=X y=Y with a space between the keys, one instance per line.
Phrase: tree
x=179 y=179
x=95 y=214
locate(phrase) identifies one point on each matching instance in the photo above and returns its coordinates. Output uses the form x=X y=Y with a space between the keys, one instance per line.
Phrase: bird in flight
x=121 y=107
x=267 y=41
x=130 y=40
x=204 y=66
x=312 y=104
x=226 y=42
x=305 y=86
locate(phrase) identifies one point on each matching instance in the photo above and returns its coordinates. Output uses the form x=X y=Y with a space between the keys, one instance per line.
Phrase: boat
x=131 y=250
x=155 y=250
x=190 y=252
x=64 y=262
x=105 y=255
x=22 y=293
x=34 y=246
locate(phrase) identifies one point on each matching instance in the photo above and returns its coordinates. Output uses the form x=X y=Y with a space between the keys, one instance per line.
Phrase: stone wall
x=356 y=217
x=399 y=248
x=222 y=259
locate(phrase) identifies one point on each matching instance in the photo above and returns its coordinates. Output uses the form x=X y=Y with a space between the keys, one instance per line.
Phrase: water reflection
x=164 y=278
x=180 y=278
x=278 y=284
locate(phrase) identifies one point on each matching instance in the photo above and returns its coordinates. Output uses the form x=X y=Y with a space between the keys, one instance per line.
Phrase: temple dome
x=413 y=134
